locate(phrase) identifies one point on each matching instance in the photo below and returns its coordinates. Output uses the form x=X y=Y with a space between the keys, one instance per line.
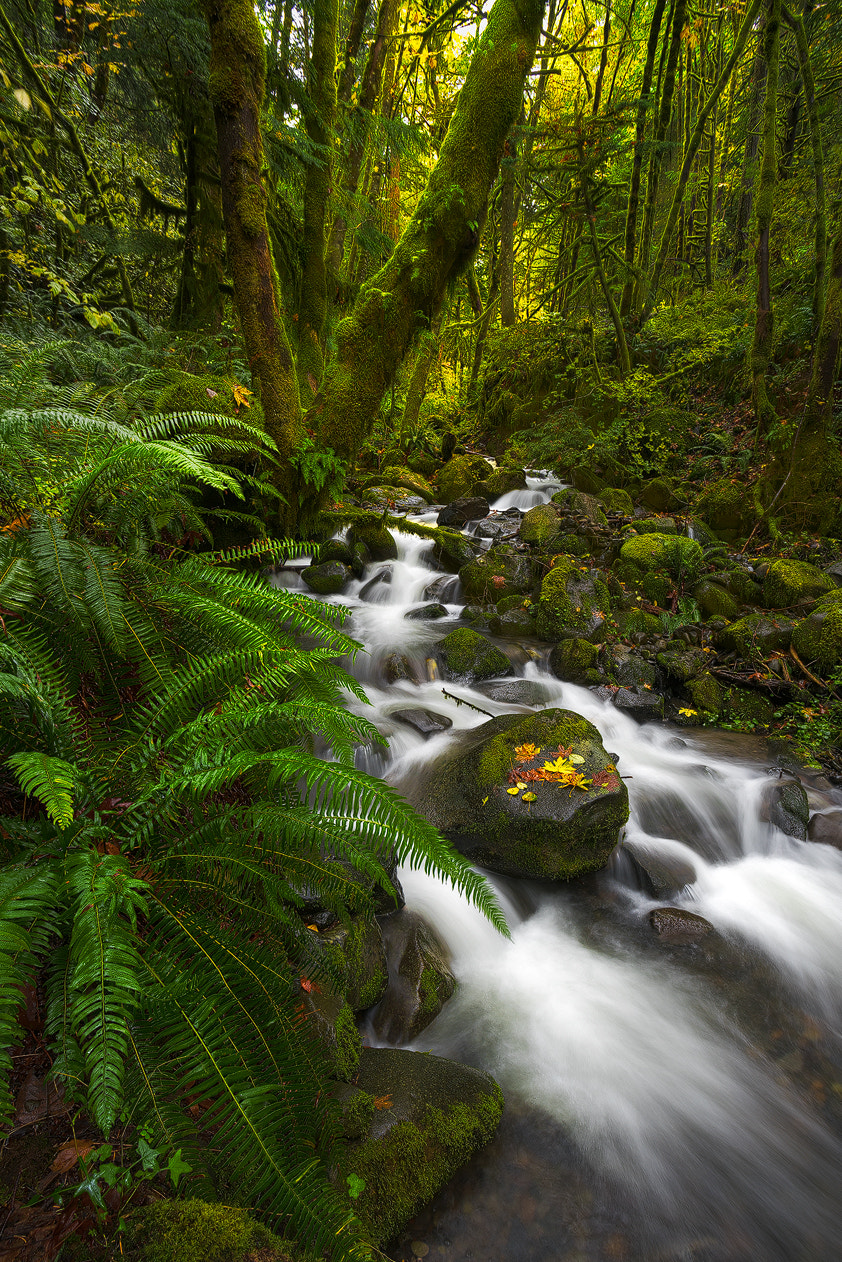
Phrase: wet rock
x=467 y=655
x=661 y=871
x=330 y=1019
x=379 y=541
x=575 y=661
x=477 y=616
x=461 y=511
x=541 y=525
x=631 y=670
x=615 y=500
x=757 y=635
x=682 y=664
x=335 y=550
x=834 y=571
x=427 y=613
x=677 y=927
x=579 y=504
x=501 y=571
x=706 y=693
x=358 y=951
x=500 y=526
x=397 y=666
x=513 y=624
x=427 y=722
x=326 y=579
x=411 y=504
x=420 y=978
x=453 y=550
x=714 y=601
x=444 y=589
x=515 y=691
x=819 y=637
x=504 y=480
x=380 y=578
x=784 y=804
x=422 y=1118
x=826 y=827
x=572 y=602
x=564 y=832
x=640 y=703
x=789 y=583
x=656 y=526
x=459 y=475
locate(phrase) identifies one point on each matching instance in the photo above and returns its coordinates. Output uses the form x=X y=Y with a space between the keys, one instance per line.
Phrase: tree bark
x=826 y=351
x=758 y=79
x=236 y=84
x=764 y=323
x=804 y=62
x=442 y=236
x=508 y=315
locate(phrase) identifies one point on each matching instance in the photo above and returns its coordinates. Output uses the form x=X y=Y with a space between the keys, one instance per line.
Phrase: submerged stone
x=427 y=722
x=420 y=978
x=677 y=927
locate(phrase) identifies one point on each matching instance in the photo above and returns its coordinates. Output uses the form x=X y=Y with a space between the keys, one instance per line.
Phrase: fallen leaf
x=529 y=797
x=241 y=395
x=69 y=1153
x=382 y=1101
x=514 y=791
x=524 y=752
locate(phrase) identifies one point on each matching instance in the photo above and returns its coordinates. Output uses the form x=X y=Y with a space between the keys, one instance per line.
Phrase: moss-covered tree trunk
x=749 y=172
x=508 y=314
x=633 y=204
x=319 y=119
x=826 y=350
x=442 y=236
x=236 y=82
x=764 y=320
x=805 y=64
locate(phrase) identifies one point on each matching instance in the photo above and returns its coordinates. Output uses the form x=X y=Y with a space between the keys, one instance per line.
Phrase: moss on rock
x=377 y=539
x=572 y=601
x=706 y=693
x=198 y=1231
x=575 y=662
x=756 y=635
x=459 y=475
x=541 y=526
x=673 y=553
x=714 y=601
x=789 y=583
x=360 y=958
x=326 y=578
x=819 y=638
x=727 y=509
x=501 y=571
x=581 y=504
x=465 y=654
x=616 y=500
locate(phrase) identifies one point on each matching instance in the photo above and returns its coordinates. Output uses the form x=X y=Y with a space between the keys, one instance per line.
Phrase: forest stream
x=662 y=1102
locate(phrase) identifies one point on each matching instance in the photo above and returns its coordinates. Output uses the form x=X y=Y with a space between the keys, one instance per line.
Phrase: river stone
x=467 y=655
x=461 y=511
x=500 y=526
x=541 y=525
x=459 y=475
x=785 y=805
x=335 y=550
x=661 y=871
x=565 y=832
x=330 y=1019
x=427 y=722
x=515 y=691
x=452 y=550
x=756 y=635
x=503 y=480
x=427 y=613
x=420 y=978
x=443 y=589
x=513 y=624
x=379 y=541
x=575 y=662
x=397 y=666
x=639 y=702
x=501 y=571
x=826 y=827
x=424 y=1117
x=677 y=927
x=359 y=952
x=326 y=579
x=789 y=583
x=573 y=602
x=381 y=577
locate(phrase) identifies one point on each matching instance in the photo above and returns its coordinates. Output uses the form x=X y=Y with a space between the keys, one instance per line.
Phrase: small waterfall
x=696 y=1090
x=540 y=488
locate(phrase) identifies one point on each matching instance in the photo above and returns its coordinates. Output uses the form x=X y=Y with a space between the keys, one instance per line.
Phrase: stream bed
x=666 y=1103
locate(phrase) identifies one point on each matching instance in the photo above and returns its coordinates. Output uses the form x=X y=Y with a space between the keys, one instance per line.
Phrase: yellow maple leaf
x=524 y=752
x=242 y=395
x=561 y=767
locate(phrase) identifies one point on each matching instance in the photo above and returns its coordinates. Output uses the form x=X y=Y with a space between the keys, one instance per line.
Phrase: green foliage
x=158 y=710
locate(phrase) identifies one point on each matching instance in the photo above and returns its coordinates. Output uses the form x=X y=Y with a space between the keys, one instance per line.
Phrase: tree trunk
x=319 y=118
x=603 y=60
x=440 y=239
x=692 y=148
x=637 y=163
x=826 y=351
x=236 y=85
x=758 y=78
x=764 y=317
x=797 y=24
x=352 y=51
x=508 y=315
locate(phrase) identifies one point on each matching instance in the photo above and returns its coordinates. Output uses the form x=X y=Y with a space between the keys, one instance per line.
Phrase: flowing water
x=674 y=1103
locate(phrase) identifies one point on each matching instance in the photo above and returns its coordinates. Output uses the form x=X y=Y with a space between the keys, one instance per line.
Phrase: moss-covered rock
x=541 y=526
x=728 y=508
x=326 y=578
x=501 y=571
x=440 y=1113
x=657 y=586
x=197 y=1231
x=467 y=655
x=637 y=622
x=616 y=500
x=789 y=583
x=331 y=1021
x=656 y=526
x=514 y=624
x=714 y=601
x=421 y=462
x=572 y=601
x=756 y=635
x=335 y=550
x=748 y=706
x=402 y=477
x=459 y=476
x=740 y=584
x=503 y=480
x=359 y=956
x=377 y=539
x=452 y=549
x=575 y=661
x=420 y=978
x=673 y=553
x=705 y=692
x=565 y=832
x=682 y=664
x=818 y=638
x=631 y=670
x=659 y=495
x=580 y=504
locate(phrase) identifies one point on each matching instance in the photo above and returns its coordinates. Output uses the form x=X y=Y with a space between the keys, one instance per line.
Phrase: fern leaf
x=50 y=780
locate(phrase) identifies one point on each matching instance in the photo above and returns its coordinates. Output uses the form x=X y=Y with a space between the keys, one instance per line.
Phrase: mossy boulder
x=421 y=462
x=637 y=622
x=586 y=480
x=789 y=583
x=198 y=1231
x=673 y=553
x=818 y=638
x=514 y=624
x=682 y=664
x=580 y=504
x=402 y=477
x=460 y=474
x=740 y=584
x=501 y=571
x=714 y=601
x=335 y=550
x=656 y=526
x=503 y=480
x=631 y=670
x=615 y=500
x=467 y=655
x=376 y=538
x=572 y=602
x=756 y=635
x=331 y=1021
x=326 y=578
x=575 y=661
x=452 y=549
x=440 y=1114
x=748 y=707
x=359 y=956
x=705 y=692
x=420 y=978
x=459 y=512
x=659 y=495
x=541 y=526
x=727 y=508
x=565 y=832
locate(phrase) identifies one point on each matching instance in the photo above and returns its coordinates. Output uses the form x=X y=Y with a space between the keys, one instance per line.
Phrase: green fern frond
x=50 y=780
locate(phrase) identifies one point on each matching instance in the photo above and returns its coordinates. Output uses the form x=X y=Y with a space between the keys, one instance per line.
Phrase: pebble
x=419 y=1249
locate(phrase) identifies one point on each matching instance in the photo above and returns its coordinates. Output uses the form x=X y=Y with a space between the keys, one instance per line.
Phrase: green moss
x=819 y=637
x=749 y=707
x=326 y=578
x=465 y=654
x=575 y=661
x=756 y=635
x=196 y=1231
x=581 y=504
x=662 y=552
x=499 y=572
x=540 y=525
x=359 y=957
x=637 y=622
x=459 y=475
x=357 y=1114
x=571 y=600
x=658 y=495
x=404 y=1169
x=714 y=601
x=377 y=538
x=705 y=693
x=349 y=1045
x=617 y=501
x=727 y=508
x=657 y=587
x=789 y=583
x=503 y=480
